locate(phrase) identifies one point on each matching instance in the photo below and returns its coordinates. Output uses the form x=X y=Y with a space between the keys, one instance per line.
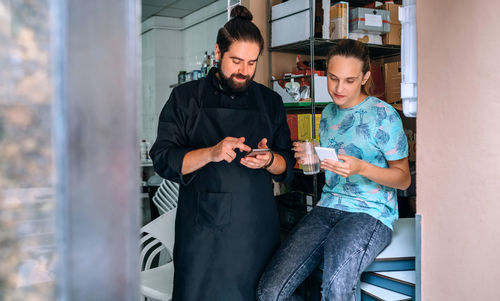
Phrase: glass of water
x=306 y=152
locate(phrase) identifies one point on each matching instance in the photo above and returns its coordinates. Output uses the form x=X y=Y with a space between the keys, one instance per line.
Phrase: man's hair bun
x=241 y=12
x=239 y=28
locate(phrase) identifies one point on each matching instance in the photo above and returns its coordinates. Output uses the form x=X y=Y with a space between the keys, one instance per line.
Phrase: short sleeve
x=390 y=136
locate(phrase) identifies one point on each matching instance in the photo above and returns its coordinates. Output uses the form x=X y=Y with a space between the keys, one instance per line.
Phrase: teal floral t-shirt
x=373 y=132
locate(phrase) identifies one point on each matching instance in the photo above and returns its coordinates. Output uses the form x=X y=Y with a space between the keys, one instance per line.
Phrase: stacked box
x=339 y=20
x=290 y=21
x=393 y=10
x=392 y=78
x=304 y=122
x=393 y=37
x=378 y=89
x=291 y=119
x=369 y=20
x=366 y=38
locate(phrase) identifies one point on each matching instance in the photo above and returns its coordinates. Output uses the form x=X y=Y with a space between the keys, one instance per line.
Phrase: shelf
x=322 y=46
x=294 y=76
x=305 y=104
x=147 y=163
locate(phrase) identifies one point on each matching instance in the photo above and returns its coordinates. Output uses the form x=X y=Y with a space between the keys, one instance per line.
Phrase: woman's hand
x=350 y=166
x=299 y=154
x=396 y=175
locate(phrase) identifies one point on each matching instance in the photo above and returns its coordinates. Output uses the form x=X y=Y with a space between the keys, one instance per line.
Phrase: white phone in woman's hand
x=326 y=153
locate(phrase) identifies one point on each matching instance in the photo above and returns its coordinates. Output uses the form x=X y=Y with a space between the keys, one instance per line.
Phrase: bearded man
x=227 y=224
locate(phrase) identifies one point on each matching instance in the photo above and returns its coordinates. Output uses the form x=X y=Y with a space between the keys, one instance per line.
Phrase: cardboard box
x=392 y=78
x=339 y=20
x=366 y=38
x=291 y=119
x=317 y=120
x=378 y=89
x=304 y=126
x=368 y=20
x=394 y=36
x=304 y=123
x=393 y=10
x=290 y=21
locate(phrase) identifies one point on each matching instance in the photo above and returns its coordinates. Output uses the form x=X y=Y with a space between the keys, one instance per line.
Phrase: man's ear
x=217 y=52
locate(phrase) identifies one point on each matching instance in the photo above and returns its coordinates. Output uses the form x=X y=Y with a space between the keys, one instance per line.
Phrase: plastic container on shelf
x=196 y=74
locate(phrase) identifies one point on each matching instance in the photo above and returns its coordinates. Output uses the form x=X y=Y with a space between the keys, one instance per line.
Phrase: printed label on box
x=373 y=20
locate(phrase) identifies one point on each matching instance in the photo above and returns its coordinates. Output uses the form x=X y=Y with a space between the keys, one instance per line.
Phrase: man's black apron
x=227 y=223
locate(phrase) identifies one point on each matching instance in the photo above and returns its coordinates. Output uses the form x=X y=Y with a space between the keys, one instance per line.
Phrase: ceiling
x=172 y=8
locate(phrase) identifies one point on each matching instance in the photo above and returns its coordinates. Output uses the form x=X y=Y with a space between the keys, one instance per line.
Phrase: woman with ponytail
x=352 y=222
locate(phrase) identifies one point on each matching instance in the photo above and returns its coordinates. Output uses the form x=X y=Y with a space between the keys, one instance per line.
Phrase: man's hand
x=258 y=161
x=224 y=150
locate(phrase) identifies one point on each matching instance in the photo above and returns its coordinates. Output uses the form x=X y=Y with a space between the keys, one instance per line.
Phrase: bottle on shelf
x=205 y=65
x=213 y=61
x=145 y=150
x=181 y=77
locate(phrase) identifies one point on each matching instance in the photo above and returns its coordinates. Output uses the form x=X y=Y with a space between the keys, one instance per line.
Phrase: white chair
x=156 y=236
x=159 y=235
x=166 y=196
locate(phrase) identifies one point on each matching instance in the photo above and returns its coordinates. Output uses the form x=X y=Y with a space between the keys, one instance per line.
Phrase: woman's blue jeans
x=346 y=242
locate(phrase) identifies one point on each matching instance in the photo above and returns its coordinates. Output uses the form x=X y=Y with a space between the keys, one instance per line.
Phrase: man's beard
x=232 y=85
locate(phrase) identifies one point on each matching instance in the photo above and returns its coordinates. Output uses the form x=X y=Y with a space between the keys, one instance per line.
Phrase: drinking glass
x=311 y=164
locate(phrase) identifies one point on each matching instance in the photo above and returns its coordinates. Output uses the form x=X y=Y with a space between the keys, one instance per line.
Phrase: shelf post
x=313 y=102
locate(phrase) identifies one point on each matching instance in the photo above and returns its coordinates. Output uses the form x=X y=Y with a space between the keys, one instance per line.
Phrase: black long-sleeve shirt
x=178 y=120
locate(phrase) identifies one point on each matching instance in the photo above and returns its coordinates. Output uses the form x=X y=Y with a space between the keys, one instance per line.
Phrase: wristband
x=270 y=162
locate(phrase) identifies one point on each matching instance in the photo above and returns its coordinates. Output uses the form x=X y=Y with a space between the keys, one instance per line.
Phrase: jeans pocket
x=213 y=209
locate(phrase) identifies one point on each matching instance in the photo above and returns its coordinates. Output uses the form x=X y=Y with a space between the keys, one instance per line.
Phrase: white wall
x=168 y=46
x=458 y=156
x=201 y=37
x=161 y=60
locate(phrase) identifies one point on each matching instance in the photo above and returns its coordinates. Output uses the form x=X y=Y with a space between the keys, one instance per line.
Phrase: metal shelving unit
x=322 y=46
x=303 y=47
x=315 y=47
x=305 y=104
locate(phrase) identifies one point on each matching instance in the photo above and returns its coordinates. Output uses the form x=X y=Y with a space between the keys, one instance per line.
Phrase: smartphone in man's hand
x=257 y=151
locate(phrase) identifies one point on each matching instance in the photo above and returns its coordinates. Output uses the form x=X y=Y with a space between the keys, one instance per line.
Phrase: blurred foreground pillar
x=69 y=163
